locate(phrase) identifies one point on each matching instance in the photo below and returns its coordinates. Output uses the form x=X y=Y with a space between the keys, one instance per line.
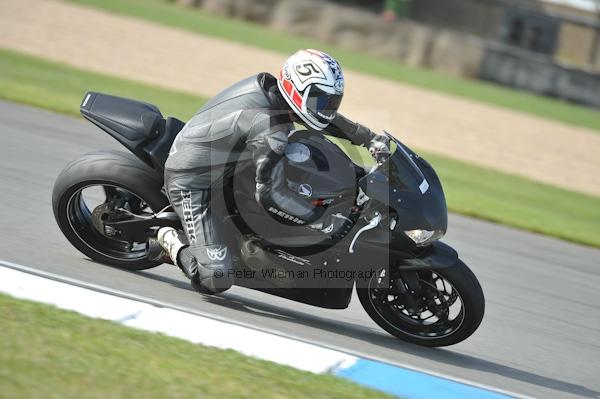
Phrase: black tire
x=473 y=305
x=110 y=168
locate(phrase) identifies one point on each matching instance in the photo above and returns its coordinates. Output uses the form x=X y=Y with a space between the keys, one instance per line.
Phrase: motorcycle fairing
x=409 y=186
x=130 y=122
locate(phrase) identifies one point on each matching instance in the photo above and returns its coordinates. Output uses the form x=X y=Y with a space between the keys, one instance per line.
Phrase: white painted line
x=348 y=359
x=157 y=303
x=66 y=296
x=194 y=328
x=247 y=341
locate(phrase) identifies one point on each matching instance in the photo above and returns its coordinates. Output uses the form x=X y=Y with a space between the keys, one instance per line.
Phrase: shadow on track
x=381 y=339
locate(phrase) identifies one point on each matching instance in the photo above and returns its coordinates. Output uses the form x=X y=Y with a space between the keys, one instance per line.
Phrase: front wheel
x=446 y=307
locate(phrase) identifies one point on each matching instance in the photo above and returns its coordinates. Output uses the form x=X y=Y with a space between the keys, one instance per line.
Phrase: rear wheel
x=102 y=187
x=446 y=309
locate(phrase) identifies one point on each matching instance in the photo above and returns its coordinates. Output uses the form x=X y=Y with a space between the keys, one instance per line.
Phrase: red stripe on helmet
x=287 y=86
x=292 y=93
x=297 y=99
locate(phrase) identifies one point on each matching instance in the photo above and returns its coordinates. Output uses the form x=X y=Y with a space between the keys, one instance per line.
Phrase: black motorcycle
x=109 y=204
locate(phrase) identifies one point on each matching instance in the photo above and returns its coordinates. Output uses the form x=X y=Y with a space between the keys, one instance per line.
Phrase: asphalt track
x=540 y=336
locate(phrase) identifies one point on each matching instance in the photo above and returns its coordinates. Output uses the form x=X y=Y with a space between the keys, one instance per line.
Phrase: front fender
x=436 y=256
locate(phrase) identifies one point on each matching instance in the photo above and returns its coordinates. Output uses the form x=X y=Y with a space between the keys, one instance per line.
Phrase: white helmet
x=312 y=83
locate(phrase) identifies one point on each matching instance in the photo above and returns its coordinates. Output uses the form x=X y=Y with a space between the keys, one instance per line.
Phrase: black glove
x=336 y=225
x=379 y=147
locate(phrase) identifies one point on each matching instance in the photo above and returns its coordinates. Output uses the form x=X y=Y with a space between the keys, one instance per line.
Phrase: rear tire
x=113 y=169
x=470 y=293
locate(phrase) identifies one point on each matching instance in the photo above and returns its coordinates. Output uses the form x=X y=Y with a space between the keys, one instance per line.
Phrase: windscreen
x=402 y=168
x=399 y=173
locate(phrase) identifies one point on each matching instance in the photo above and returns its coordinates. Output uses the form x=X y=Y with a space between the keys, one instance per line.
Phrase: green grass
x=518 y=202
x=50 y=353
x=166 y=13
x=59 y=88
x=470 y=189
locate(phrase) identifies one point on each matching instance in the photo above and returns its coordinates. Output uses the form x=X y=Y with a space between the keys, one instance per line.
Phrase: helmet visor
x=322 y=105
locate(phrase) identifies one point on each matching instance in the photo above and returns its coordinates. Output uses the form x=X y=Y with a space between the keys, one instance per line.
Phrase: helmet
x=312 y=83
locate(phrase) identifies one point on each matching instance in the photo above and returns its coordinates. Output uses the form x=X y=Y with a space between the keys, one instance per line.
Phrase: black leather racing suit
x=249 y=120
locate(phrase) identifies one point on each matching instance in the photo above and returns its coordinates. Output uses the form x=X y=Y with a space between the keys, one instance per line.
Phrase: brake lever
x=372 y=224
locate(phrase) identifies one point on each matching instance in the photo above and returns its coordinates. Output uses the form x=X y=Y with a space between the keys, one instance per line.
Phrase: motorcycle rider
x=252 y=120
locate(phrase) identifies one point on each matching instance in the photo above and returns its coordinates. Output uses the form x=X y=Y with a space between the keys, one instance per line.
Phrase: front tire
x=406 y=321
x=117 y=174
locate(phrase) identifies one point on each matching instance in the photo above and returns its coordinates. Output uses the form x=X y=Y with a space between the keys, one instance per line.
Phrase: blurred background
x=550 y=47
x=502 y=97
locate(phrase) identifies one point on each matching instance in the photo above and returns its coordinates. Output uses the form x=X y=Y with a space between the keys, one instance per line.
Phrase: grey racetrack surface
x=540 y=335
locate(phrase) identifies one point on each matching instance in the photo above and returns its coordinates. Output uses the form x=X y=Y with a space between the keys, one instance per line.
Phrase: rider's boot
x=210 y=267
x=171 y=242
x=209 y=274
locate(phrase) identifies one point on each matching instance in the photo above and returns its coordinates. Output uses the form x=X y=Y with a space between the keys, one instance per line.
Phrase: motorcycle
x=109 y=204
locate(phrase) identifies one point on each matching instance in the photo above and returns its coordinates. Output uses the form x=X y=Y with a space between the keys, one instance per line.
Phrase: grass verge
x=470 y=189
x=46 y=352
x=518 y=202
x=59 y=88
x=164 y=12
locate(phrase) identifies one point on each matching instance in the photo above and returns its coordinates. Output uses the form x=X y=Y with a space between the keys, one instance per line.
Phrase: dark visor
x=322 y=104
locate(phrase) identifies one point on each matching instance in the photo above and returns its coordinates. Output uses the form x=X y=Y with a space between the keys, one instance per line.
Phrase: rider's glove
x=379 y=147
x=336 y=225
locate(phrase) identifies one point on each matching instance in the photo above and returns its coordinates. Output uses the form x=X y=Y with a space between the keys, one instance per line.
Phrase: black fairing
x=397 y=183
x=330 y=174
x=328 y=171
x=129 y=121
x=410 y=186
x=158 y=149
x=139 y=126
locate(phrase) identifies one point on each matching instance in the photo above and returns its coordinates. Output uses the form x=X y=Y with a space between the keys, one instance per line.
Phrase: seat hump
x=135 y=120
